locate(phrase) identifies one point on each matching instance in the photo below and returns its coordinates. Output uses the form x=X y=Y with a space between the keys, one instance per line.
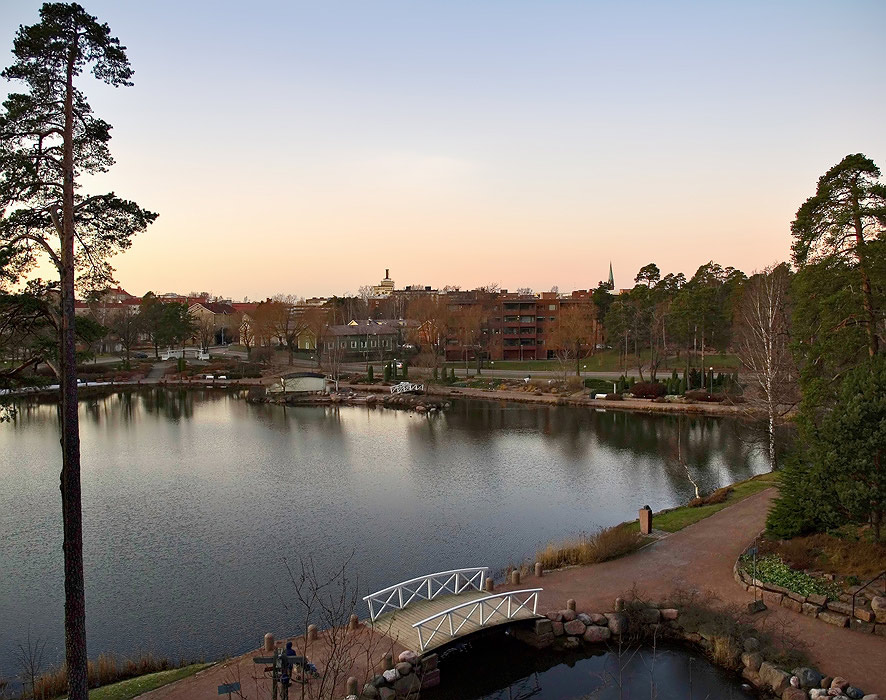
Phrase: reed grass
x=602 y=545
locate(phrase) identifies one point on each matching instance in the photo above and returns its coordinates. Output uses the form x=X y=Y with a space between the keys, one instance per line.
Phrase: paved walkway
x=701 y=557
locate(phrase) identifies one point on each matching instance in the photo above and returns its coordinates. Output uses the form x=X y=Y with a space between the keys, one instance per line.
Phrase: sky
x=303 y=147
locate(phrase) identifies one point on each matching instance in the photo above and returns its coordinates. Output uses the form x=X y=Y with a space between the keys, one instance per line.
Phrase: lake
x=193 y=500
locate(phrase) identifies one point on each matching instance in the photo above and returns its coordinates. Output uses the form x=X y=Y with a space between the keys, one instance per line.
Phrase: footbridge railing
x=480 y=612
x=425 y=588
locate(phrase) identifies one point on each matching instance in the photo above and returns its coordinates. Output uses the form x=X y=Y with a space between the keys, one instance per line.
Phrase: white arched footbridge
x=429 y=611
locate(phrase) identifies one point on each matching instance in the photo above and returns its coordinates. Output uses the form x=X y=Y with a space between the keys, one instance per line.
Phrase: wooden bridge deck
x=398 y=625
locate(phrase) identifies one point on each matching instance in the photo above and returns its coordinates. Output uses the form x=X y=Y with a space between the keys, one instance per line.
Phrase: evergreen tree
x=370 y=374
x=405 y=370
x=49 y=139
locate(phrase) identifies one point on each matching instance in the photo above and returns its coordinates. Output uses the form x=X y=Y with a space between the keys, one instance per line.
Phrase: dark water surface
x=192 y=499
x=505 y=669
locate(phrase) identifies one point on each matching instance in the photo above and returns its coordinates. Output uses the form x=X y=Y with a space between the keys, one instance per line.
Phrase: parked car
x=140 y=355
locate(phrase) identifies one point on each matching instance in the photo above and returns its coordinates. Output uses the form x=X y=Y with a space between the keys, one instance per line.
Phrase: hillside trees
x=49 y=139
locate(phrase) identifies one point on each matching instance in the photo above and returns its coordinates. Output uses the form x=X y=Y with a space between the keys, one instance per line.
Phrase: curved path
x=701 y=557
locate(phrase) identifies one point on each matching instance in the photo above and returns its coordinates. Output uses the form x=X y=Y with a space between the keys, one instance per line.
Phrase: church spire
x=611 y=278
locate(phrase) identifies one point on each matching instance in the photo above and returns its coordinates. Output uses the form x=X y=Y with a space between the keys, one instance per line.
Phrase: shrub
x=262 y=354
x=603 y=545
x=105 y=670
x=574 y=383
x=370 y=374
x=452 y=374
x=387 y=372
x=718 y=496
x=614 y=397
x=436 y=375
x=598 y=386
x=405 y=370
x=648 y=390
x=704 y=395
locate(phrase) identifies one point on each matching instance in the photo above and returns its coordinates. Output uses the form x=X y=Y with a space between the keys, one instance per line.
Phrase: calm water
x=505 y=669
x=192 y=500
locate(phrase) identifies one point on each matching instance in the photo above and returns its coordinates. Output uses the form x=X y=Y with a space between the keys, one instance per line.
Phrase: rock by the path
x=669 y=614
x=649 y=616
x=568 y=615
x=752 y=660
x=839 y=683
x=404 y=668
x=370 y=691
x=595 y=633
x=878 y=605
x=407 y=684
x=407 y=655
x=774 y=677
x=558 y=629
x=792 y=693
x=554 y=616
x=751 y=644
x=585 y=618
x=391 y=675
x=387 y=694
x=854 y=693
x=809 y=677
x=598 y=619
x=574 y=627
x=617 y=622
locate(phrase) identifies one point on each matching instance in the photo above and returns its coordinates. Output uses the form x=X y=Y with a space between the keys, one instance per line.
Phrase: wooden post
x=490 y=584
x=353 y=622
x=515 y=577
x=351 y=686
x=312 y=633
x=269 y=642
x=570 y=604
x=539 y=570
x=645 y=520
x=387 y=662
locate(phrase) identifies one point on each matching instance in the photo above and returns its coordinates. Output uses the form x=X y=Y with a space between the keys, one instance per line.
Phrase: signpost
x=281 y=672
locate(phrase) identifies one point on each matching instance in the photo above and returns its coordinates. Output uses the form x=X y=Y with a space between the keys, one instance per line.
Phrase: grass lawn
x=678 y=518
x=610 y=361
x=142 y=684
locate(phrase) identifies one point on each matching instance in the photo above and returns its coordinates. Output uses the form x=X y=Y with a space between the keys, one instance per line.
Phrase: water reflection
x=499 y=668
x=185 y=494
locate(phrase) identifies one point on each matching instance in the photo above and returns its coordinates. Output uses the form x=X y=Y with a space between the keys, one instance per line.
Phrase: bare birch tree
x=763 y=347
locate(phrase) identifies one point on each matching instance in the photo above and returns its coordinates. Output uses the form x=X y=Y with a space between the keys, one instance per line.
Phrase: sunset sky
x=304 y=147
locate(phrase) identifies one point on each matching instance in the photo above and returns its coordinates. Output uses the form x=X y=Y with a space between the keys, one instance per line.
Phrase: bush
x=771 y=569
x=718 y=496
x=387 y=372
x=262 y=354
x=614 y=397
x=370 y=375
x=648 y=390
x=598 y=386
x=703 y=395
x=603 y=545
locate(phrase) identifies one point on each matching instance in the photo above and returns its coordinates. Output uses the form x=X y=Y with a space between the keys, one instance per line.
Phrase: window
x=353 y=343
x=372 y=343
x=552 y=318
x=552 y=307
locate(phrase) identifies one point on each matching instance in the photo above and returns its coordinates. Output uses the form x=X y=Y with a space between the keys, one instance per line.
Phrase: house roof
x=371 y=327
x=217 y=307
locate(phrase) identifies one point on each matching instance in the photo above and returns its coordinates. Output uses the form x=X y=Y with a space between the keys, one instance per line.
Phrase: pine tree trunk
x=867 y=295
x=72 y=516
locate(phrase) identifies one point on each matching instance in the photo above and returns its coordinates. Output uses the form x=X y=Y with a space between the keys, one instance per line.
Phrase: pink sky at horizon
x=303 y=148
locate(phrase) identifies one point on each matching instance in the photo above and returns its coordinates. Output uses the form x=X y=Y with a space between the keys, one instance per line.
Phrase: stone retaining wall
x=870 y=612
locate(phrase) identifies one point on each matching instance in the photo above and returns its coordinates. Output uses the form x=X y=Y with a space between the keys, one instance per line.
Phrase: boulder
x=669 y=614
x=568 y=615
x=407 y=655
x=404 y=668
x=370 y=691
x=854 y=693
x=407 y=684
x=595 y=634
x=751 y=644
x=839 y=683
x=878 y=606
x=792 y=604
x=386 y=694
x=752 y=677
x=584 y=617
x=826 y=682
x=872 y=696
x=558 y=629
x=809 y=677
x=598 y=619
x=839 y=606
x=810 y=609
x=751 y=660
x=574 y=627
x=817 y=599
x=554 y=616
x=617 y=623
x=833 y=618
x=379 y=681
x=391 y=675
x=792 y=693
x=774 y=677
x=864 y=614
x=817 y=693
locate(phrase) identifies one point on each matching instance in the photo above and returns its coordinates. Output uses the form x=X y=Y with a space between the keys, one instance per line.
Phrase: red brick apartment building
x=509 y=326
